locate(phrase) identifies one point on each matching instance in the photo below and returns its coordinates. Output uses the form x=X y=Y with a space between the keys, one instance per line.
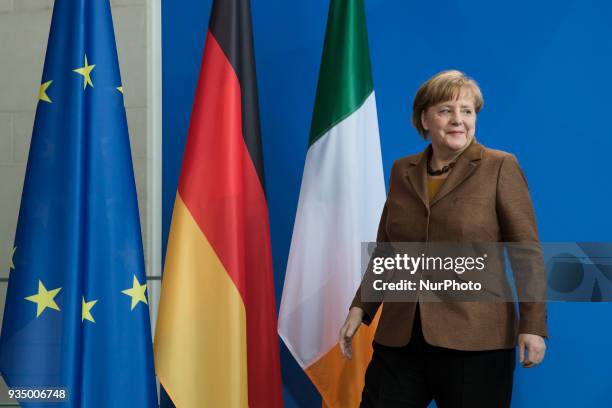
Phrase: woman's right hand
x=348 y=330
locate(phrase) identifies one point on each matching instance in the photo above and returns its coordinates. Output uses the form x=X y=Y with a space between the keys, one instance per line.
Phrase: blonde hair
x=442 y=87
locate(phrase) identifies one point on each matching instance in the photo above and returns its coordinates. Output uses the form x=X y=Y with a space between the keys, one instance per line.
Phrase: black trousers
x=413 y=375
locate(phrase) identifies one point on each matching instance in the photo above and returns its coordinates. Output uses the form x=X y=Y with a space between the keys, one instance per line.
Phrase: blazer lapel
x=417 y=174
x=466 y=163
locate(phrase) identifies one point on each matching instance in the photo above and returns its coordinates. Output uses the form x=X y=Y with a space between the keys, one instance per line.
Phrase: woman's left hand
x=536 y=348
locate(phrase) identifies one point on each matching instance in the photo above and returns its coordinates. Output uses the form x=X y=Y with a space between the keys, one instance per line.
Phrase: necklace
x=443 y=170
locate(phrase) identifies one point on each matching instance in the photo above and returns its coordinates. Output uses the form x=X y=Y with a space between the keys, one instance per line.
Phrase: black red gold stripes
x=230 y=24
x=221 y=209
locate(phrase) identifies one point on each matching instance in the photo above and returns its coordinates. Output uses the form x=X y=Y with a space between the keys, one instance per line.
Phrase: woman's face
x=451 y=124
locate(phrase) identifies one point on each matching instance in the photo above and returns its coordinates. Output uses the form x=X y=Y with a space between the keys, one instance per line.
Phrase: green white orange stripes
x=341 y=198
x=345 y=76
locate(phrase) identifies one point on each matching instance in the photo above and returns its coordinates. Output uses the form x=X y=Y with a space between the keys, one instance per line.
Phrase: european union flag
x=76 y=313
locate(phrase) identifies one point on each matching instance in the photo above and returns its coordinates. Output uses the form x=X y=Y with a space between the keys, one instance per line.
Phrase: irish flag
x=215 y=341
x=341 y=199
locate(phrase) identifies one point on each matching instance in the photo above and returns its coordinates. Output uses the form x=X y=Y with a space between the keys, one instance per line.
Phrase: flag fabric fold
x=341 y=199
x=76 y=313
x=215 y=340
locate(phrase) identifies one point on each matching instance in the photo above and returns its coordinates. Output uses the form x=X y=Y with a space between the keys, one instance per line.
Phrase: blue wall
x=545 y=71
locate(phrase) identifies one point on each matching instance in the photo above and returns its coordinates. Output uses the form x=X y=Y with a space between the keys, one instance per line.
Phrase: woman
x=459 y=354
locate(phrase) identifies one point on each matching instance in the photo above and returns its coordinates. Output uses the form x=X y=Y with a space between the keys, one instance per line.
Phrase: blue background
x=544 y=68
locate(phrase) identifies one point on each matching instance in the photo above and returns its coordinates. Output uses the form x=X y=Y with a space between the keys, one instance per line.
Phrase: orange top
x=433 y=185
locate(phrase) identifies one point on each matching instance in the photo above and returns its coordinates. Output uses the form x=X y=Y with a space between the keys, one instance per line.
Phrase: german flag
x=215 y=341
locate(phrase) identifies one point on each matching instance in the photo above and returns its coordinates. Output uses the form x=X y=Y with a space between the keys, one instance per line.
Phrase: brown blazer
x=484 y=199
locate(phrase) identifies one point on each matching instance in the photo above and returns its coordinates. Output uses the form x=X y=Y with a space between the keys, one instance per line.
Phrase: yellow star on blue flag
x=44 y=299
x=78 y=233
x=136 y=292
x=86 y=310
x=85 y=70
x=42 y=92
